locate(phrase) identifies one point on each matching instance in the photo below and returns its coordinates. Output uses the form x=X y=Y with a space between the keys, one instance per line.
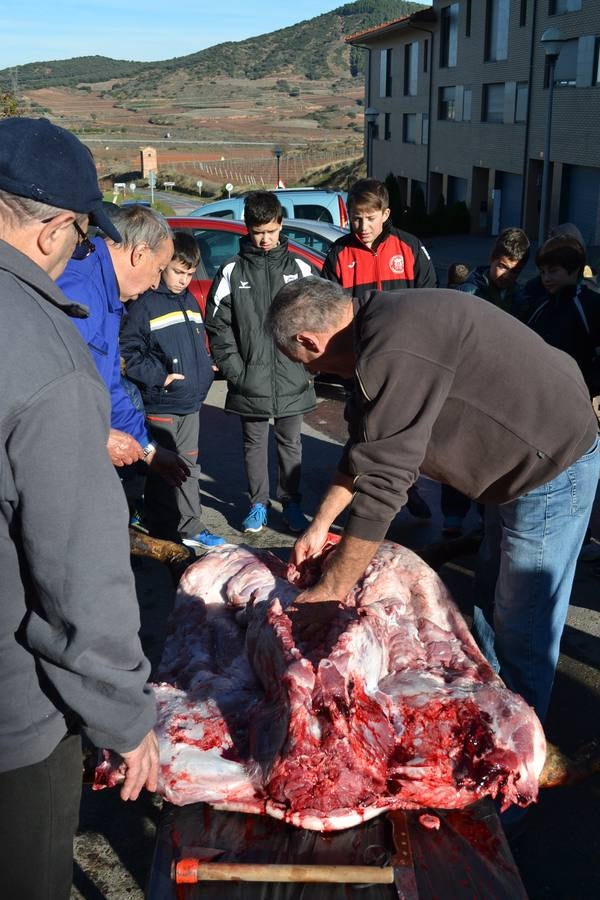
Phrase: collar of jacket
x=163 y=289
x=26 y=270
x=387 y=230
x=248 y=249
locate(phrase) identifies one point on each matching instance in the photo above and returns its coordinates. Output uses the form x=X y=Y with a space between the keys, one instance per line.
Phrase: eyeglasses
x=84 y=245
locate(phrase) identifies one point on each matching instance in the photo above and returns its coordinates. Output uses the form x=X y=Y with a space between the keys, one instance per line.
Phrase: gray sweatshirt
x=451 y=386
x=70 y=655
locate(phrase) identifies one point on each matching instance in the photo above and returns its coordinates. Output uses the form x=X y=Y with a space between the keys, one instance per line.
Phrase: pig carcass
x=391 y=706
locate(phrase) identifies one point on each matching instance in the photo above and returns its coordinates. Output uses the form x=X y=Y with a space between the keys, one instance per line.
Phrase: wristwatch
x=148 y=449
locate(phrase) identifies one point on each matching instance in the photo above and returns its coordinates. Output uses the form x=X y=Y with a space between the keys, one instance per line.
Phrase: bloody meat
x=392 y=706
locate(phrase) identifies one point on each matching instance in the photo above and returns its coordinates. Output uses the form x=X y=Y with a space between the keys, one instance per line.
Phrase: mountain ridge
x=297 y=51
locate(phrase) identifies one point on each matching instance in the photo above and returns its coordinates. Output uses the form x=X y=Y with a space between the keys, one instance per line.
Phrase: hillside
x=313 y=49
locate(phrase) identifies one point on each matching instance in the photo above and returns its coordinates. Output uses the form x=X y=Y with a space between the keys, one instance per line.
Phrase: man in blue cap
x=70 y=657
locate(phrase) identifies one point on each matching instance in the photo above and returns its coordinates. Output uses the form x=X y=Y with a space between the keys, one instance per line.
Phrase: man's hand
x=310 y=543
x=174 y=376
x=123 y=449
x=142 y=768
x=169 y=466
x=311 y=614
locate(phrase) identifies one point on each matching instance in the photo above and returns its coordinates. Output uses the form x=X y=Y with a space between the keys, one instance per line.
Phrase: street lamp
x=278 y=154
x=371 y=116
x=551 y=41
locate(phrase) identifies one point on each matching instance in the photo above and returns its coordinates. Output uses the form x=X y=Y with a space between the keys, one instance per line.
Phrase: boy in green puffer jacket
x=263 y=384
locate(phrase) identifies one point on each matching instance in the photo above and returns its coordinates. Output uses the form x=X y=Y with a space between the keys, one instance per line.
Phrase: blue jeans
x=525 y=574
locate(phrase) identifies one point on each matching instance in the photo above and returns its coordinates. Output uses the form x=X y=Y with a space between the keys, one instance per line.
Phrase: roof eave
x=424 y=16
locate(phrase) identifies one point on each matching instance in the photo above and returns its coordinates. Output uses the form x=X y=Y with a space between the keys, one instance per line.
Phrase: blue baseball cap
x=40 y=161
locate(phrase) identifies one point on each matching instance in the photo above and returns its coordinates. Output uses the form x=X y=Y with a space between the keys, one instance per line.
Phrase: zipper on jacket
x=190 y=330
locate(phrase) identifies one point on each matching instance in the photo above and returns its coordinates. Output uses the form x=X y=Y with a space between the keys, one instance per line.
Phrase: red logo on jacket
x=397 y=264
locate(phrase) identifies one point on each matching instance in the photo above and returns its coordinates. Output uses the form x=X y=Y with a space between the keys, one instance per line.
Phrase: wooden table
x=468 y=858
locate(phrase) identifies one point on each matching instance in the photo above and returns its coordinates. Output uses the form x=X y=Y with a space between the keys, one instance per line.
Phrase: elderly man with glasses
x=102 y=275
x=70 y=659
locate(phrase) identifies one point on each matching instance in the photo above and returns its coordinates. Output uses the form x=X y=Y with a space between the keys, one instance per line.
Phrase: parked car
x=317 y=236
x=298 y=203
x=218 y=239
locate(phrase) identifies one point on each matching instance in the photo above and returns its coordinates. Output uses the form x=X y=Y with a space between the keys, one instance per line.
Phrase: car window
x=215 y=248
x=312 y=211
x=307 y=239
x=223 y=214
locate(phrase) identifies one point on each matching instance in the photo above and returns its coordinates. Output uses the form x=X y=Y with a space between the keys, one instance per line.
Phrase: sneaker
x=256 y=518
x=135 y=521
x=417 y=506
x=590 y=552
x=452 y=526
x=294 y=518
x=205 y=539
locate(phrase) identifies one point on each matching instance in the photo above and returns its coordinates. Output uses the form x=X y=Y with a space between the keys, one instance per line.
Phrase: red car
x=218 y=239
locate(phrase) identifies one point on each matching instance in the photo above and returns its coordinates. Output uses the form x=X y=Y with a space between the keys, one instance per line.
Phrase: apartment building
x=457 y=95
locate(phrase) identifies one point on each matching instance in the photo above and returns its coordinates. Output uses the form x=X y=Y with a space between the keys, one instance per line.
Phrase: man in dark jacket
x=419 y=368
x=262 y=382
x=163 y=343
x=70 y=658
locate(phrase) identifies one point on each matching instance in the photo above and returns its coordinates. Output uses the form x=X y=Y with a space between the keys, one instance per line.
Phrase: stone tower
x=149 y=160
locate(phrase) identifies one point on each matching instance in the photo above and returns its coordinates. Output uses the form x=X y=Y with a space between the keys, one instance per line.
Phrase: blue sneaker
x=205 y=539
x=294 y=518
x=256 y=518
x=135 y=521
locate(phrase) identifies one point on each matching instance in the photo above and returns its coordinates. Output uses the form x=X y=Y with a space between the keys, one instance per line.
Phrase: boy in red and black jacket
x=375 y=256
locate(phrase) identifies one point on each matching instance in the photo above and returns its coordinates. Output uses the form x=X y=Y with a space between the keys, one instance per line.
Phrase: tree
x=8 y=105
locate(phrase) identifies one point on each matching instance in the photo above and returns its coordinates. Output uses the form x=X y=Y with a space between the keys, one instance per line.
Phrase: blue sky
x=138 y=29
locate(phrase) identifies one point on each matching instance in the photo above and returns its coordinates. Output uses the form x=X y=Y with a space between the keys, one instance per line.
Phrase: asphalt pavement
x=559 y=848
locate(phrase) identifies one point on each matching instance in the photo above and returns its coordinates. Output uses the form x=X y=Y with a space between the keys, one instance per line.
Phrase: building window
x=425 y=54
x=468 y=19
x=496 y=37
x=596 y=71
x=493 y=103
x=558 y=7
x=523 y=13
x=387 y=128
x=521 y=101
x=385 y=73
x=447 y=104
x=565 y=68
x=425 y=128
x=448 y=35
x=409 y=128
x=467 y=104
x=411 y=69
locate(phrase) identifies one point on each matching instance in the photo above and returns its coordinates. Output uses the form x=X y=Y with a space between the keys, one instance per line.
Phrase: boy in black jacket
x=262 y=383
x=164 y=347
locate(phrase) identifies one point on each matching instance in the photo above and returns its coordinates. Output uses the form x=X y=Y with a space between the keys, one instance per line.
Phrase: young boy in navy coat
x=164 y=346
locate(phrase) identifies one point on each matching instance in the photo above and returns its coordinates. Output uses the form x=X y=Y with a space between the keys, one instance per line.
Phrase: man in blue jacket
x=102 y=276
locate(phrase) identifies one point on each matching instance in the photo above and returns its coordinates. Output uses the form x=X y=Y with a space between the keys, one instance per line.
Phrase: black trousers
x=289 y=457
x=39 y=812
